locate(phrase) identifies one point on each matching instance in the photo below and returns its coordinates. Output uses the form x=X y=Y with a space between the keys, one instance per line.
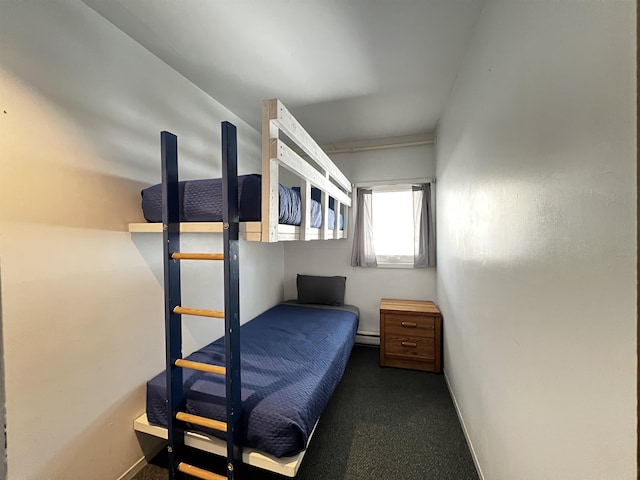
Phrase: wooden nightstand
x=410 y=335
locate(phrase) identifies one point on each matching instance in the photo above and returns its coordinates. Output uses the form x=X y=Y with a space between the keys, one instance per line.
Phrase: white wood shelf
x=250 y=231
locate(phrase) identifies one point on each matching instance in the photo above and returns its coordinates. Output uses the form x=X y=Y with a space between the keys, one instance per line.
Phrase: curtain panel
x=424 y=241
x=363 y=253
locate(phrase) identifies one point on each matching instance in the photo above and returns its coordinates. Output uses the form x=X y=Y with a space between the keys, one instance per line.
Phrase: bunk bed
x=269 y=212
x=290 y=358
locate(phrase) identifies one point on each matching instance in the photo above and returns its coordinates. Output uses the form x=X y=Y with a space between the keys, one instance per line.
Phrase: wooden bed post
x=336 y=219
x=324 y=204
x=270 y=194
x=305 y=209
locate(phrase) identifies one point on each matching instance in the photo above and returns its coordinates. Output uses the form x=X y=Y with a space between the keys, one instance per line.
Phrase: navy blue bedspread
x=292 y=358
x=201 y=201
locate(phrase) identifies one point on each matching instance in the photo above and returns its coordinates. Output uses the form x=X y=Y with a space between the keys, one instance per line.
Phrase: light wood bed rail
x=326 y=177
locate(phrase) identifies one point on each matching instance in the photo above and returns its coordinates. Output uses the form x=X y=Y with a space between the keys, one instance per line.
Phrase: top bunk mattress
x=292 y=357
x=201 y=201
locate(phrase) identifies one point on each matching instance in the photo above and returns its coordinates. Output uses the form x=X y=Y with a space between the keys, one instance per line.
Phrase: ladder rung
x=202 y=421
x=198 y=312
x=203 y=367
x=199 y=472
x=197 y=256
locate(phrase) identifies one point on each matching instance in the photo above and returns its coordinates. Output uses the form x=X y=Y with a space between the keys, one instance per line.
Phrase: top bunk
x=317 y=209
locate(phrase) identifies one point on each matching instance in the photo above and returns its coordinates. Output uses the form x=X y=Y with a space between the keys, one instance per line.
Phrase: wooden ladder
x=174 y=311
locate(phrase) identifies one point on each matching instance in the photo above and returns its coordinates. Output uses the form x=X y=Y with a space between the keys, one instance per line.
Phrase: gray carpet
x=381 y=423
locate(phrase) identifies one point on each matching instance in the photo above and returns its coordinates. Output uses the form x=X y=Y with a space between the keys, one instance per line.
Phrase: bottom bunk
x=292 y=358
x=287 y=466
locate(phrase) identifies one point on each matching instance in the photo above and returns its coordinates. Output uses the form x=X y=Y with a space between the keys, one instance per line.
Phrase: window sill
x=394 y=265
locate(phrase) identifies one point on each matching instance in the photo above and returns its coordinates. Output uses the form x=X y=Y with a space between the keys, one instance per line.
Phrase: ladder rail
x=172 y=298
x=231 y=227
x=174 y=312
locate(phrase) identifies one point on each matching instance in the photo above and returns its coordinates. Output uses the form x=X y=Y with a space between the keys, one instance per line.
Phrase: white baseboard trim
x=139 y=465
x=129 y=474
x=464 y=428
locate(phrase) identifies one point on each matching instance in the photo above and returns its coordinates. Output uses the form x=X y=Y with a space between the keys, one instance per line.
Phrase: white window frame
x=394 y=261
x=381 y=185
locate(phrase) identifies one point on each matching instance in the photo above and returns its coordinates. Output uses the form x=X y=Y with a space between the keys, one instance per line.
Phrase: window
x=392 y=222
x=395 y=226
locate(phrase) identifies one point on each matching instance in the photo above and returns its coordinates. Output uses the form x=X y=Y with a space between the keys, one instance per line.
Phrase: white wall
x=81 y=107
x=366 y=286
x=536 y=167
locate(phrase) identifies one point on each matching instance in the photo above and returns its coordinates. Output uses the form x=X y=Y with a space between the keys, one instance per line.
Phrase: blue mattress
x=292 y=357
x=201 y=201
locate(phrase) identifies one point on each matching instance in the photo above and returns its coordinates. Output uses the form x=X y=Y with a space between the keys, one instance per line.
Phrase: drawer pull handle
x=409 y=324
x=409 y=344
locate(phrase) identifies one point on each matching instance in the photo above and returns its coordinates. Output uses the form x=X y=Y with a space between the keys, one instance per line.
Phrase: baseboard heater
x=364 y=337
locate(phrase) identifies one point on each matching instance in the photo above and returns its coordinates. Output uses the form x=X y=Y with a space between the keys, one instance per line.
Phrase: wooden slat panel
x=292 y=232
x=202 y=367
x=185 y=227
x=324 y=204
x=294 y=162
x=336 y=219
x=289 y=125
x=270 y=181
x=252 y=231
x=202 y=421
x=305 y=209
x=199 y=472
x=194 y=227
x=253 y=237
x=250 y=227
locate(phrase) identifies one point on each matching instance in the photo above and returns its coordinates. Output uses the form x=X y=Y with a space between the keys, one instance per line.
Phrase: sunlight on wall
x=59 y=179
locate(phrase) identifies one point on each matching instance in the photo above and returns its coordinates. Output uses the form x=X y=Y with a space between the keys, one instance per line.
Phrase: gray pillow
x=321 y=290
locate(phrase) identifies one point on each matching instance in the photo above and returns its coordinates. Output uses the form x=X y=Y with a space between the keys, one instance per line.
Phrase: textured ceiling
x=347 y=69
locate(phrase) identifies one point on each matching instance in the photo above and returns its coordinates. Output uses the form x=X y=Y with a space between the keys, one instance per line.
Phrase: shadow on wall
x=57 y=467
x=81 y=131
x=84 y=79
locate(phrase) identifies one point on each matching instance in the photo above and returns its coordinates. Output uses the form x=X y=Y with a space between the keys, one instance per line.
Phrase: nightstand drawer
x=419 y=348
x=419 y=326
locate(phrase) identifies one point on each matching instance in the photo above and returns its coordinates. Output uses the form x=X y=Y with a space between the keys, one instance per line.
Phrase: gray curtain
x=363 y=253
x=424 y=243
